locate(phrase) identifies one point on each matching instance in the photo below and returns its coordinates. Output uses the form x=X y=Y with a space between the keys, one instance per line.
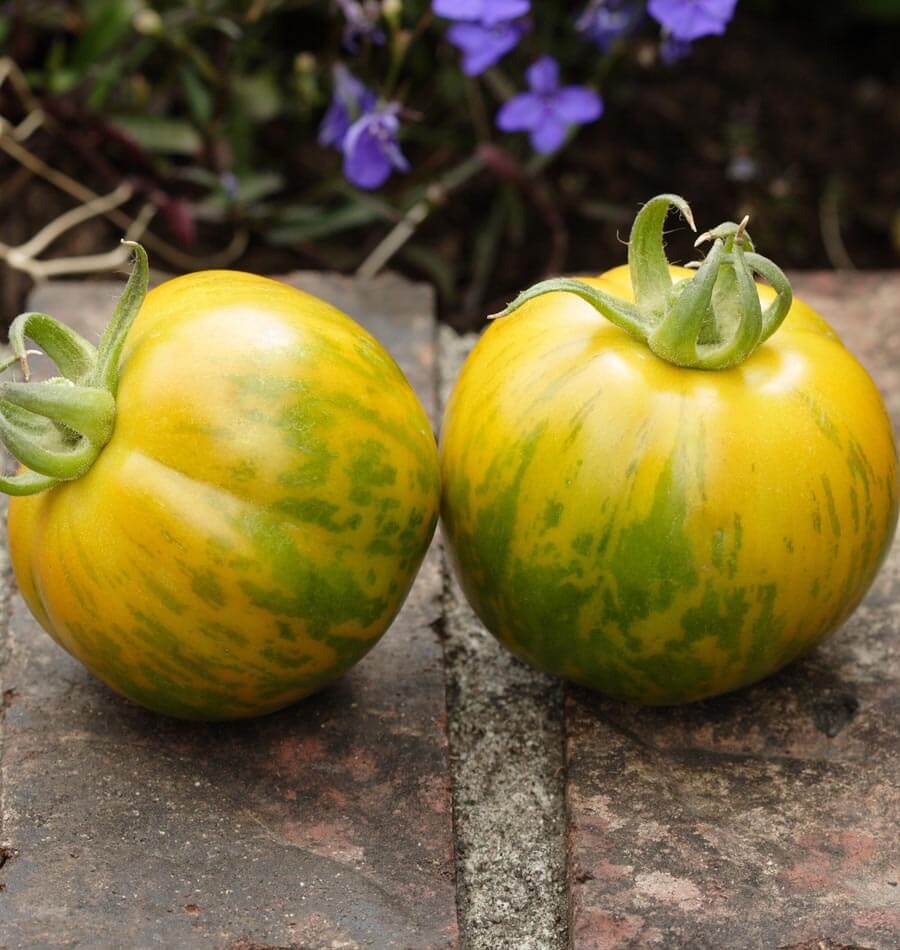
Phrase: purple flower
x=370 y=148
x=365 y=132
x=361 y=20
x=548 y=110
x=690 y=19
x=351 y=100
x=486 y=12
x=483 y=45
x=485 y=30
x=605 y=21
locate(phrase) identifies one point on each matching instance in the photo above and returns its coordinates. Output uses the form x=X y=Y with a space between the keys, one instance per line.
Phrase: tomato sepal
x=58 y=428
x=711 y=321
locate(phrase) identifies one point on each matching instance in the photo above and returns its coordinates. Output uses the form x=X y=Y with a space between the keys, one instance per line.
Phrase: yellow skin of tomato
x=258 y=516
x=658 y=533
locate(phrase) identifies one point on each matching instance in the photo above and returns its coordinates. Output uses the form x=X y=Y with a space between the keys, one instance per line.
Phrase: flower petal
x=549 y=135
x=365 y=164
x=485 y=12
x=690 y=19
x=577 y=104
x=334 y=126
x=522 y=113
x=458 y=9
x=543 y=75
x=351 y=100
x=496 y=11
x=371 y=151
x=397 y=159
x=482 y=46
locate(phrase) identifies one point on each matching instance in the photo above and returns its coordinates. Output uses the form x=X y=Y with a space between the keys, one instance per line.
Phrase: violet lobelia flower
x=361 y=20
x=351 y=100
x=605 y=21
x=484 y=45
x=371 y=152
x=548 y=110
x=485 y=12
x=690 y=19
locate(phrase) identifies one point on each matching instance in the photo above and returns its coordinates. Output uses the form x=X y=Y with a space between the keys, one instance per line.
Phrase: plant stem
x=435 y=195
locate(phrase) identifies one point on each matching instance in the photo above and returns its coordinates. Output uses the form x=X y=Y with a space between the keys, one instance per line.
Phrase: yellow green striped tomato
x=664 y=532
x=257 y=516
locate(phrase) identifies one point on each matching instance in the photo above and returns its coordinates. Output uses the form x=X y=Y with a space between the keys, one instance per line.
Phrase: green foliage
x=881 y=8
x=221 y=102
x=216 y=105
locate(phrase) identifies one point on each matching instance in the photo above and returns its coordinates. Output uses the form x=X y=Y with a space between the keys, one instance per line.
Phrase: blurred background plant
x=474 y=143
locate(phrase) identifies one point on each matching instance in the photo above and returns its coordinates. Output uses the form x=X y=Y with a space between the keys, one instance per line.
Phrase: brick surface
x=768 y=818
x=326 y=825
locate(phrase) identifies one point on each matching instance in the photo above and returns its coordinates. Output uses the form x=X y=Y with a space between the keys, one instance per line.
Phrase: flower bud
x=147 y=22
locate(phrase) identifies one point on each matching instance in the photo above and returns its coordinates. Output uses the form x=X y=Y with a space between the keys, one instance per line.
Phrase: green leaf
x=61 y=81
x=257 y=97
x=889 y=9
x=227 y=27
x=249 y=192
x=197 y=95
x=58 y=78
x=198 y=176
x=253 y=188
x=106 y=23
x=301 y=223
x=161 y=135
x=109 y=77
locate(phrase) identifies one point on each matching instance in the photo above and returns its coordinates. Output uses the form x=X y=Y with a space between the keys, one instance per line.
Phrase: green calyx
x=713 y=320
x=58 y=428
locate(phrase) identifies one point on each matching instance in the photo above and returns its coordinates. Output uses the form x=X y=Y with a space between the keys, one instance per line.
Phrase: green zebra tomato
x=266 y=491
x=677 y=500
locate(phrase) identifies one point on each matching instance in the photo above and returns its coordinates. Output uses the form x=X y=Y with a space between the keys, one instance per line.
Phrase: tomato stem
x=127 y=309
x=623 y=314
x=712 y=320
x=58 y=428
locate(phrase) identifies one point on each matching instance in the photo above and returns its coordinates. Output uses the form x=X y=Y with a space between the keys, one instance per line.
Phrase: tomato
x=259 y=511
x=664 y=532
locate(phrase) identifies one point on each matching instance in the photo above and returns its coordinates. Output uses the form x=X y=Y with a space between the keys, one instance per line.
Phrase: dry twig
x=92 y=205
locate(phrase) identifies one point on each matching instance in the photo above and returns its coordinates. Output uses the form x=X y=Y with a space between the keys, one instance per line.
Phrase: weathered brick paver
x=326 y=825
x=769 y=818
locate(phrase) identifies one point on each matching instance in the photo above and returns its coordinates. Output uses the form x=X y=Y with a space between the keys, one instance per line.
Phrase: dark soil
x=792 y=118
x=798 y=127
